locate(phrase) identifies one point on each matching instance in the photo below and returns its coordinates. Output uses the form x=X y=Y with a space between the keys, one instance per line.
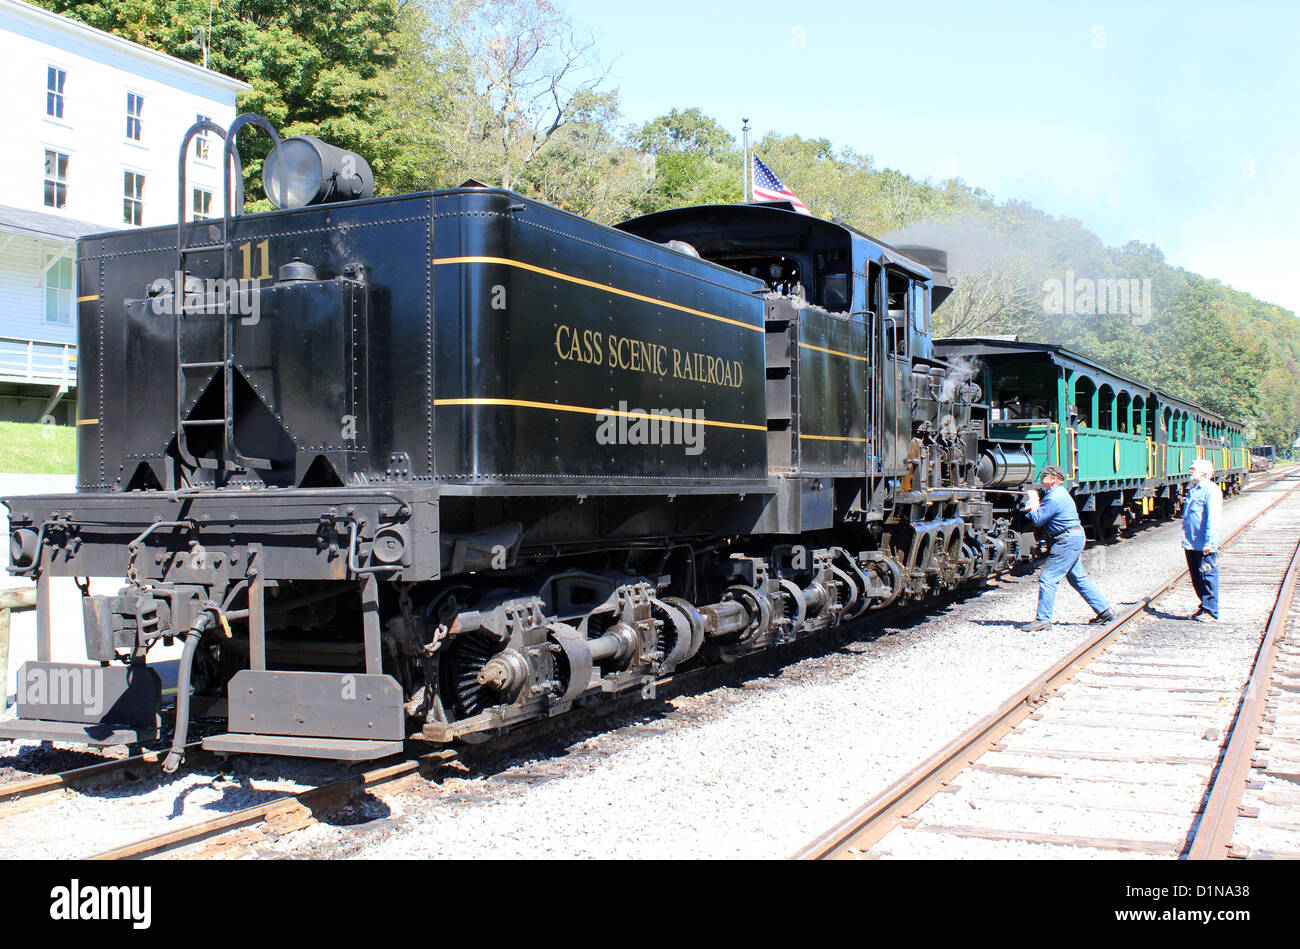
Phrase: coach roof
x=979 y=346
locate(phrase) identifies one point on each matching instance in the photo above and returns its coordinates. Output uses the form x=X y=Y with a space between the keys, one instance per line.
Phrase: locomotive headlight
x=314 y=172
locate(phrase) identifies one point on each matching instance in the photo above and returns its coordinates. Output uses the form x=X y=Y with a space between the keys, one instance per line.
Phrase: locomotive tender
x=447 y=462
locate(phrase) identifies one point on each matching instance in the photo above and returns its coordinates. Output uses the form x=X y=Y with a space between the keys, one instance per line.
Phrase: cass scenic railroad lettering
x=595 y=348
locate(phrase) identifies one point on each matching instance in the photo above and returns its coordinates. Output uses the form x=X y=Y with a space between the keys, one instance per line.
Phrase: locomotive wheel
x=895 y=581
x=693 y=618
x=449 y=601
x=850 y=588
x=859 y=603
x=573 y=661
x=722 y=652
x=674 y=638
x=968 y=564
x=795 y=597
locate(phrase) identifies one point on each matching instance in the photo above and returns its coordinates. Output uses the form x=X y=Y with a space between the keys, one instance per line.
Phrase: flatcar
x=435 y=465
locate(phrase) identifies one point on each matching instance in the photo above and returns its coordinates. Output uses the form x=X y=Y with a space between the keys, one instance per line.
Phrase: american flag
x=768 y=187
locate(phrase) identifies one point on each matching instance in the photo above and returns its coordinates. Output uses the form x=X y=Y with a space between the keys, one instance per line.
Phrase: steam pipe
x=182 y=730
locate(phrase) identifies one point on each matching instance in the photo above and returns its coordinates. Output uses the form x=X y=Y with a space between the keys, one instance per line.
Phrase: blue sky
x=1164 y=122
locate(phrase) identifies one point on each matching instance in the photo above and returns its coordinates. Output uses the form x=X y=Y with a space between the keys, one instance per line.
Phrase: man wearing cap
x=1202 y=513
x=1059 y=519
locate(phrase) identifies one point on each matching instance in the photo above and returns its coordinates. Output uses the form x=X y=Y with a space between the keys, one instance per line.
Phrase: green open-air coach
x=1126 y=447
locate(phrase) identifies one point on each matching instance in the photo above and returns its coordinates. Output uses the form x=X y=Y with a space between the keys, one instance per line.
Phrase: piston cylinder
x=1004 y=467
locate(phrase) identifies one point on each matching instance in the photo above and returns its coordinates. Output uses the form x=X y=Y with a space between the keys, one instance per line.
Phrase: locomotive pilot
x=1058 y=518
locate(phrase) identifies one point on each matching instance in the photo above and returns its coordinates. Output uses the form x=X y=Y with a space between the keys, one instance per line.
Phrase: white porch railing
x=38 y=361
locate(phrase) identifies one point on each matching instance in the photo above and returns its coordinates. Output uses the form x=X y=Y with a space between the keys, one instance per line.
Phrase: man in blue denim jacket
x=1059 y=520
x=1202 y=515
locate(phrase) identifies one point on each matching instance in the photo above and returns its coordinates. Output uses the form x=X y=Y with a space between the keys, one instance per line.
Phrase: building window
x=56 y=179
x=133 y=198
x=201 y=140
x=202 y=204
x=54 y=91
x=134 y=107
x=58 y=290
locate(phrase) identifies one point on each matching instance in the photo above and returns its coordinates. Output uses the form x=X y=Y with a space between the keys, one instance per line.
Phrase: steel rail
x=1211 y=838
x=44 y=785
x=866 y=825
x=313 y=799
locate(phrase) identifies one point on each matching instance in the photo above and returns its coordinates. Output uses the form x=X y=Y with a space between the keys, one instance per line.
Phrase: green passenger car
x=1126 y=447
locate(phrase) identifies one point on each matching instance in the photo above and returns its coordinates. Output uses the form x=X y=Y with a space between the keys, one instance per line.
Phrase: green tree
x=1279 y=409
x=586 y=169
x=695 y=161
x=317 y=67
x=531 y=72
x=689 y=130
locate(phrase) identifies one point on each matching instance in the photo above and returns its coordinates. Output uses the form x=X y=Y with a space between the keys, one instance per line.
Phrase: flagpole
x=745 y=187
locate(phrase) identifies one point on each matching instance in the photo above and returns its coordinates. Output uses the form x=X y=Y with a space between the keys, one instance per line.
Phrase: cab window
x=920 y=308
x=833 y=281
x=899 y=305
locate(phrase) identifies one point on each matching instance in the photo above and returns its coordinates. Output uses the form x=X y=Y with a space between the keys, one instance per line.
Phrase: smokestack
x=937 y=261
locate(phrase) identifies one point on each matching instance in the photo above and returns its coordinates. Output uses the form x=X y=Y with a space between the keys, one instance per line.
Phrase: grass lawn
x=32 y=448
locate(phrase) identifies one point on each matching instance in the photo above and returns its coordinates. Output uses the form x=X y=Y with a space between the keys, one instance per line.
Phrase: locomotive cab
x=849 y=323
x=795 y=256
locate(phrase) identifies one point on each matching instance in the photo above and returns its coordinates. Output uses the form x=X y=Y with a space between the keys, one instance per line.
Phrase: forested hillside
x=511 y=92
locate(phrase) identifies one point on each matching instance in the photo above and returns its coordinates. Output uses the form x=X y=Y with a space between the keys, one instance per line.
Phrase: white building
x=94 y=125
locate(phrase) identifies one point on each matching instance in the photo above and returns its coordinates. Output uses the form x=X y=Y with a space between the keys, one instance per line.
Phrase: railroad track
x=1253 y=807
x=295 y=810
x=280 y=816
x=43 y=789
x=1116 y=748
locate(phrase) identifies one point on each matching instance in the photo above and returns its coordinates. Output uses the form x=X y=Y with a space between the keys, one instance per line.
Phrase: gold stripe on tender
x=524 y=404
x=833 y=352
x=89 y=298
x=596 y=286
x=87 y=421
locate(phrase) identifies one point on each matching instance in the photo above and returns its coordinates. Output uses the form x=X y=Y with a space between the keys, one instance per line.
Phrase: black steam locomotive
x=430 y=466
